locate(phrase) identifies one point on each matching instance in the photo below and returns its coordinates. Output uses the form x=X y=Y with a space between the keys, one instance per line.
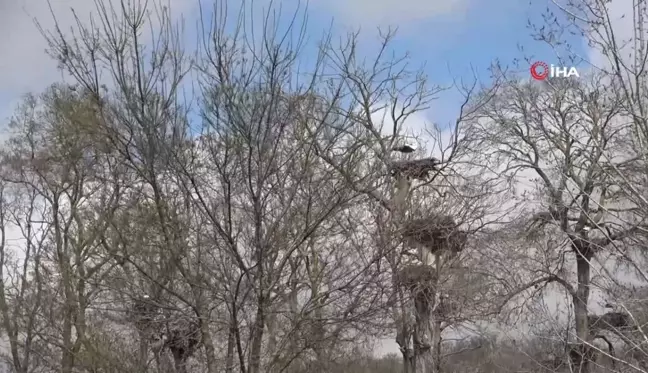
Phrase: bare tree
x=254 y=180
x=56 y=157
x=562 y=133
x=390 y=181
x=21 y=299
x=290 y=225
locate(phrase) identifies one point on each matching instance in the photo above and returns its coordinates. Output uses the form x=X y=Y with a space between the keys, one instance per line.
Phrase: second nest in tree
x=417 y=276
x=436 y=233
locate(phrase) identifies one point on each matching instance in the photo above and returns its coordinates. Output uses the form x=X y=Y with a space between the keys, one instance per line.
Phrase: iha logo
x=540 y=71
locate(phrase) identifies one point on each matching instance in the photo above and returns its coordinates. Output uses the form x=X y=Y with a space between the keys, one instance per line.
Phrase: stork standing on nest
x=405 y=171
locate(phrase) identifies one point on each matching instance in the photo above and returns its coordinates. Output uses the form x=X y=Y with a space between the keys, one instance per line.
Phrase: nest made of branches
x=610 y=321
x=447 y=307
x=182 y=338
x=145 y=314
x=181 y=335
x=417 y=276
x=415 y=169
x=435 y=232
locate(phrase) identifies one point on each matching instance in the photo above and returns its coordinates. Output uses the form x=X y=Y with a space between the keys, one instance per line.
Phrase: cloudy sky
x=449 y=36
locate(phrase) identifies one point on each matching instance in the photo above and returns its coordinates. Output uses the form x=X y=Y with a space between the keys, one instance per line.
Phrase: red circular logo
x=539 y=70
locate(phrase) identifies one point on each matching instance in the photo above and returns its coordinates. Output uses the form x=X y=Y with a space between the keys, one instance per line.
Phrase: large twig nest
x=417 y=275
x=436 y=232
x=415 y=169
x=179 y=334
x=182 y=338
x=457 y=241
x=609 y=321
x=447 y=307
x=145 y=314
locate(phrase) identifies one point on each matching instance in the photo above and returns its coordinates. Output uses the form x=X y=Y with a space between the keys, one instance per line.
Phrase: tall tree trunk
x=143 y=352
x=231 y=341
x=69 y=313
x=402 y=320
x=423 y=332
x=257 y=337
x=436 y=344
x=435 y=323
x=203 y=316
x=403 y=339
x=271 y=324
x=208 y=342
x=580 y=309
x=403 y=333
x=67 y=358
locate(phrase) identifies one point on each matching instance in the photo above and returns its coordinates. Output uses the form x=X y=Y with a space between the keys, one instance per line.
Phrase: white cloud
x=620 y=13
x=391 y=12
x=24 y=65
